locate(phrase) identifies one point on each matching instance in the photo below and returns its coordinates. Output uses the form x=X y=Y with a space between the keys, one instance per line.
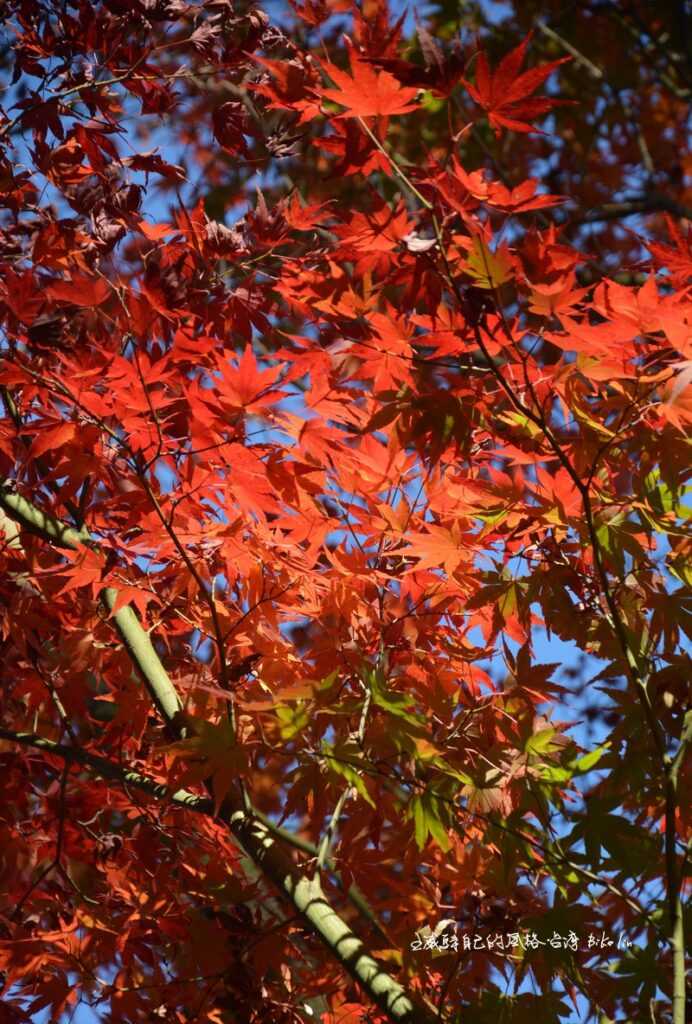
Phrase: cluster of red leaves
x=337 y=460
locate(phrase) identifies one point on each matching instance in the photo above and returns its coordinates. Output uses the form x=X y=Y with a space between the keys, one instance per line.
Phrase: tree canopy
x=345 y=377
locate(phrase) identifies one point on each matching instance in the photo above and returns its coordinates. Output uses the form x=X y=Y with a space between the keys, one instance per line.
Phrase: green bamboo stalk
x=143 y=655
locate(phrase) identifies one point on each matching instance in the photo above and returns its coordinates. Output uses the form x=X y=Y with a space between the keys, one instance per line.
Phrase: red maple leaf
x=677 y=258
x=357 y=154
x=367 y=92
x=246 y=385
x=504 y=93
x=293 y=86
x=522 y=198
x=79 y=291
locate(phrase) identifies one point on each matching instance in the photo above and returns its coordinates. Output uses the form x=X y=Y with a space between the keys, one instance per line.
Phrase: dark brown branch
x=632 y=207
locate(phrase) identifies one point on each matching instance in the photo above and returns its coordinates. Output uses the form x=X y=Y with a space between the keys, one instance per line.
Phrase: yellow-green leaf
x=488 y=269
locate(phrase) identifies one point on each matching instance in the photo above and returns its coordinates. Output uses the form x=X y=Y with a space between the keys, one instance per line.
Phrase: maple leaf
x=439 y=546
x=373 y=234
x=152 y=163
x=20 y=294
x=357 y=154
x=86 y=570
x=314 y=12
x=211 y=751
x=466 y=191
x=348 y=1013
x=80 y=291
x=303 y=218
x=439 y=72
x=546 y=299
x=231 y=124
x=248 y=387
x=53 y=437
x=487 y=799
x=505 y=93
x=522 y=198
x=488 y=269
x=132 y=595
x=155 y=232
x=294 y=87
x=427 y=813
x=368 y=93
x=677 y=258
x=677 y=407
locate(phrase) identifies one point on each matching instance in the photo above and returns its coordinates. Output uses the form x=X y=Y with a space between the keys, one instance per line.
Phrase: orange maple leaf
x=677 y=258
x=522 y=198
x=368 y=93
x=438 y=547
x=246 y=385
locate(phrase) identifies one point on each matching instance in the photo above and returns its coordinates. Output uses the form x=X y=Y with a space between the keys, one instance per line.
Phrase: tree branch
x=642 y=205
